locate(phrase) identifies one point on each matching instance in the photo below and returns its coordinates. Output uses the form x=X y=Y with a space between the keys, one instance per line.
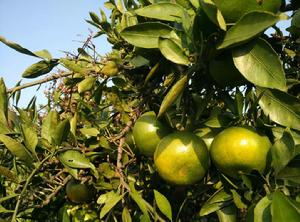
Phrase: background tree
x=203 y=67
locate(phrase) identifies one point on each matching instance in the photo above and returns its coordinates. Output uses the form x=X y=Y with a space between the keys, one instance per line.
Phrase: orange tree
x=199 y=66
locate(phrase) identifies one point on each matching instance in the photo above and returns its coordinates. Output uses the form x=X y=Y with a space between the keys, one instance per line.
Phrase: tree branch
x=40 y=81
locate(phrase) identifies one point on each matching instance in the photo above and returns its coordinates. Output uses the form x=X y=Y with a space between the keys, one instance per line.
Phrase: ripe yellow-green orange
x=207 y=135
x=240 y=150
x=224 y=72
x=147 y=133
x=233 y=10
x=181 y=158
x=79 y=193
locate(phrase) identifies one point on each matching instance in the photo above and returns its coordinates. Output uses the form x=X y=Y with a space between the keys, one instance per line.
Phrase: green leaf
x=45 y=54
x=88 y=132
x=17 y=47
x=75 y=66
x=162 y=11
x=146 y=35
x=61 y=132
x=248 y=27
x=237 y=199
x=75 y=159
x=163 y=204
x=227 y=214
x=139 y=201
x=290 y=174
x=213 y=13
x=49 y=125
x=172 y=95
x=126 y=215
x=113 y=199
x=30 y=137
x=8 y=174
x=86 y=84
x=128 y=19
x=283 y=209
x=283 y=151
x=172 y=51
x=262 y=210
x=151 y=72
x=217 y=201
x=278 y=132
x=281 y=107
x=39 y=68
x=259 y=63
x=3 y=103
x=17 y=149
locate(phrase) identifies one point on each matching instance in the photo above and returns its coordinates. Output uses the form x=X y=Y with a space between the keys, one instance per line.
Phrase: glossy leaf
x=75 y=159
x=151 y=72
x=126 y=215
x=30 y=137
x=49 y=125
x=283 y=151
x=39 y=68
x=172 y=95
x=213 y=13
x=163 y=204
x=17 y=149
x=217 y=201
x=262 y=210
x=17 y=47
x=162 y=11
x=281 y=107
x=227 y=214
x=244 y=30
x=283 y=209
x=172 y=51
x=61 y=132
x=113 y=199
x=3 y=103
x=259 y=63
x=146 y=35
x=139 y=201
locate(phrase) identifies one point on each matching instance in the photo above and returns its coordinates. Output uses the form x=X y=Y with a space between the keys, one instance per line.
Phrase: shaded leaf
x=172 y=95
x=283 y=151
x=172 y=51
x=217 y=201
x=17 y=149
x=146 y=35
x=244 y=30
x=86 y=84
x=126 y=215
x=227 y=214
x=30 y=137
x=290 y=174
x=163 y=204
x=61 y=132
x=237 y=199
x=49 y=125
x=151 y=72
x=3 y=103
x=259 y=63
x=162 y=11
x=8 y=174
x=40 y=68
x=213 y=13
x=281 y=107
x=113 y=199
x=278 y=132
x=262 y=210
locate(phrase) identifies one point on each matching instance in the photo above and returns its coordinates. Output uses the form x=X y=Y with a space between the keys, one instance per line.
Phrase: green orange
x=181 y=158
x=233 y=10
x=79 y=193
x=240 y=150
x=148 y=132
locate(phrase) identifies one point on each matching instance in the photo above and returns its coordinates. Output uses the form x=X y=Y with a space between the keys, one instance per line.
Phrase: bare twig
x=119 y=163
x=40 y=81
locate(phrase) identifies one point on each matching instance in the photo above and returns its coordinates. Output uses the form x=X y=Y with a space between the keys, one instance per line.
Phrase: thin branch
x=40 y=81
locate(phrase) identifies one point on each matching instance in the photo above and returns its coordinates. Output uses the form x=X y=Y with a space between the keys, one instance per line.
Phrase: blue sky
x=56 y=25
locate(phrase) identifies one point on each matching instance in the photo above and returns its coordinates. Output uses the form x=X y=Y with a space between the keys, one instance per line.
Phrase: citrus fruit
x=110 y=69
x=240 y=150
x=147 y=133
x=233 y=10
x=207 y=135
x=224 y=72
x=79 y=193
x=181 y=158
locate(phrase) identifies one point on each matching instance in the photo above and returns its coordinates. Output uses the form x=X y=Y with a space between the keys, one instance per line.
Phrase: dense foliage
x=202 y=66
